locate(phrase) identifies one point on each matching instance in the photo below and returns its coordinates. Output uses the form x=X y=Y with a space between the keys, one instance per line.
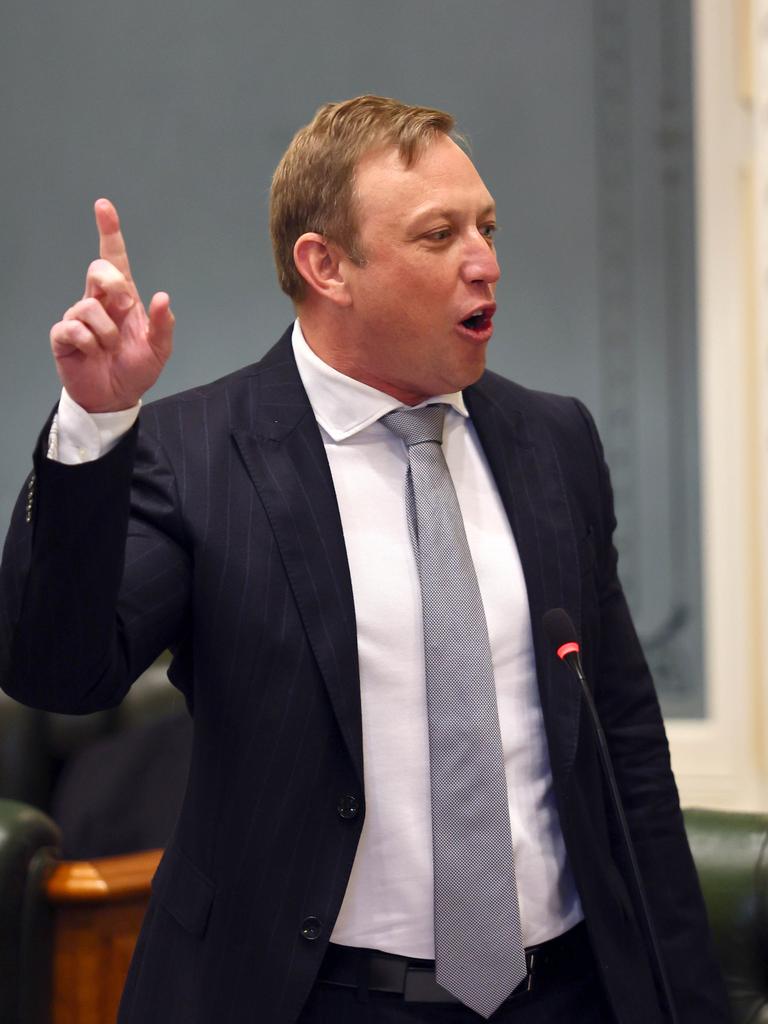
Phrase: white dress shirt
x=80 y=436
x=388 y=902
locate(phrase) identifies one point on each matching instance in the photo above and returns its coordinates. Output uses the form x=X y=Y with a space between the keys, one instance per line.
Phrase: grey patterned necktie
x=479 y=954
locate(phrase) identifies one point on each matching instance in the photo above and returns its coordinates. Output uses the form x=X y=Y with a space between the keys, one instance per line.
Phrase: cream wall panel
x=720 y=761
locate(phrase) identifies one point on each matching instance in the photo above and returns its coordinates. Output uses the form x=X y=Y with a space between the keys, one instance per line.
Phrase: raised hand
x=108 y=348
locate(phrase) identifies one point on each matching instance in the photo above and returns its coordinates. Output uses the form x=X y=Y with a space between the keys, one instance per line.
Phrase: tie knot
x=415 y=426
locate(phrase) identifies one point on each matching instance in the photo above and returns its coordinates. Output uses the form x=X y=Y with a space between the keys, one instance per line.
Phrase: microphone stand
x=573 y=660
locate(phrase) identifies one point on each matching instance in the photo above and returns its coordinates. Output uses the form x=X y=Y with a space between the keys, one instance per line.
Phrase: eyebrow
x=447 y=214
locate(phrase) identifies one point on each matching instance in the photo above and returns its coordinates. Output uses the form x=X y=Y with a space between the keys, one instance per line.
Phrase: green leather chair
x=36 y=745
x=730 y=850
x=28 y=847
x=731 y=855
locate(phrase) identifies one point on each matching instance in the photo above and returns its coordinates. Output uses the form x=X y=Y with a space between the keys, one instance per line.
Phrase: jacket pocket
x=184 y=891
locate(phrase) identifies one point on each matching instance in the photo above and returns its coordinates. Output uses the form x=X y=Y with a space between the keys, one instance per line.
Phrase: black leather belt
x=561 y=959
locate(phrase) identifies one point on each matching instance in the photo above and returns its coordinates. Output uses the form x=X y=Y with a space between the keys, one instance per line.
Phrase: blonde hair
x=313 y=186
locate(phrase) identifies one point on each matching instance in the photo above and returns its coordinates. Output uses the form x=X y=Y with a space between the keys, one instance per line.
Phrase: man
x=353 y=593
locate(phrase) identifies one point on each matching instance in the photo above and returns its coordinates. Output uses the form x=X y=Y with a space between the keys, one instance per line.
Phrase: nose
x=480 y=263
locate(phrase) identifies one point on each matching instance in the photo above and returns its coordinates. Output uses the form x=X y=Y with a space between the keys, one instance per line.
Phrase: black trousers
x=579 y=1001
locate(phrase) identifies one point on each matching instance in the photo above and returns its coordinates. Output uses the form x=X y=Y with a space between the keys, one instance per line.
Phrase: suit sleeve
x=95 y=577
x=631 y=717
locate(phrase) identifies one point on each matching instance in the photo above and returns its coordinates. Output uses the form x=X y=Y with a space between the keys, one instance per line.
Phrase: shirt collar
x=342 y=405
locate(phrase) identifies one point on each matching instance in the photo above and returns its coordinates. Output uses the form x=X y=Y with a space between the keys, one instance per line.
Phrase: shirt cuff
x=79 y=436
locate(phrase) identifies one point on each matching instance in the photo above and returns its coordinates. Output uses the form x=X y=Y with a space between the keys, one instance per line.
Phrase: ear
x=319 y=262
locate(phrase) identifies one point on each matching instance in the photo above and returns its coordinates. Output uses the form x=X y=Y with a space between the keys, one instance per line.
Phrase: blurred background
x=625 y=142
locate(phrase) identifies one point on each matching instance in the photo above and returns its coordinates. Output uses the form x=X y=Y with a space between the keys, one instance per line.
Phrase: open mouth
x=479 y=321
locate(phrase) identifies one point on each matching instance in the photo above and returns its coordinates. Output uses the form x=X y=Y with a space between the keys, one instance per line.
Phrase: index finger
x=111 y=241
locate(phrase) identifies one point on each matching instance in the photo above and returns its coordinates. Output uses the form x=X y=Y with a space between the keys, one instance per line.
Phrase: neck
x=330 y=343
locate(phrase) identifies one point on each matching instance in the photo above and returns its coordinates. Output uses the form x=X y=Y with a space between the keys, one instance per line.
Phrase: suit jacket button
x=312 y=928
x=348 y=807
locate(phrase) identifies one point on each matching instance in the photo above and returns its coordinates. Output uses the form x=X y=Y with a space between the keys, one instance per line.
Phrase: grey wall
x=180 y=111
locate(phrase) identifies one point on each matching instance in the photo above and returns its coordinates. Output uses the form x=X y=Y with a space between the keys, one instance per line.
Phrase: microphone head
x=561 y=631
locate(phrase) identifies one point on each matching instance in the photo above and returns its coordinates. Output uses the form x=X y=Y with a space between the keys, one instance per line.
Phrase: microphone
x=562 y=634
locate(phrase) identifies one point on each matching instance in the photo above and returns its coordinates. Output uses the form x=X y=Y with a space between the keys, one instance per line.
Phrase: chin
x=471 y=375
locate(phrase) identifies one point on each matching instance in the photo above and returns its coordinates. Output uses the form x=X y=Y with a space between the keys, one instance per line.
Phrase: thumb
x=161 y=324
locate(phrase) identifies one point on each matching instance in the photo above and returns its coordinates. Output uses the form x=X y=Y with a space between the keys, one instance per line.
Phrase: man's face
x=426 y=233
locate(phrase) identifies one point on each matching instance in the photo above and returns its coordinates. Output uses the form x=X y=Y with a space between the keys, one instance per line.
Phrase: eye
x=488 y=231
x=440 y=235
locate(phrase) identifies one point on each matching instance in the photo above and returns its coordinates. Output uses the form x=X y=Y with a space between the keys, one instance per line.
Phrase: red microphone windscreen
x=560 y=631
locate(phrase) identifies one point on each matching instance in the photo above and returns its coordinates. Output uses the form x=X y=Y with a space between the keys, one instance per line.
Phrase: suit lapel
x=525 y=465
x=283 y=452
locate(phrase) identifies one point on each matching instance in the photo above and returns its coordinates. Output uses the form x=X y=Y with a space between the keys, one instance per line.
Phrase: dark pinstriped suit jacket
x=235 y=559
